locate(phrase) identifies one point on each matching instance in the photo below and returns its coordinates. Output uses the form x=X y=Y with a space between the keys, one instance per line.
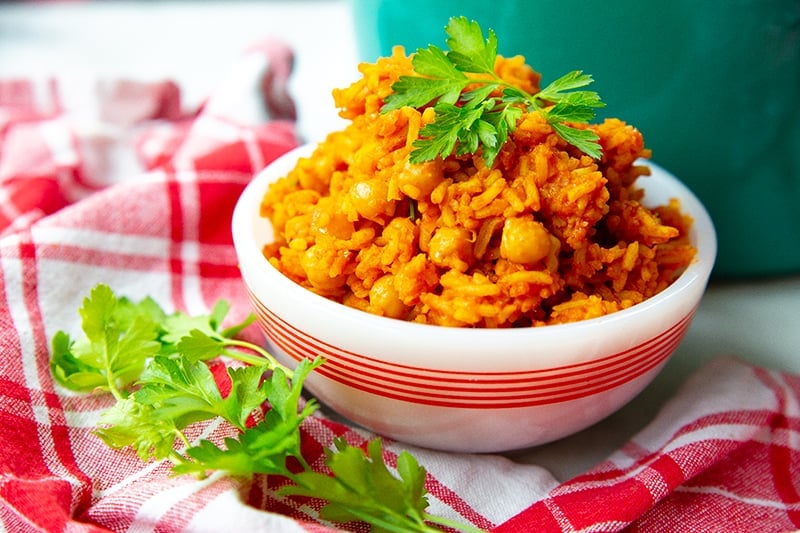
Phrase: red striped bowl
x=469 y=390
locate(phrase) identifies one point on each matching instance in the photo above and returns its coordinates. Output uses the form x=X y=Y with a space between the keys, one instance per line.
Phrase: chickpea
x=524 y=240
x=320 y=264
x=327 y=221
x=418 y=180
x=451 y=248
x=370 y=199
x=384 y=299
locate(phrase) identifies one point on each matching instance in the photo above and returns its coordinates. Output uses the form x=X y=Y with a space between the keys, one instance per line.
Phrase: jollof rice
x=548 y=235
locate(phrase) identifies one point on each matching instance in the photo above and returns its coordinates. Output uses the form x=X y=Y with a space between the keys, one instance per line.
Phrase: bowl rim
x=248 y=249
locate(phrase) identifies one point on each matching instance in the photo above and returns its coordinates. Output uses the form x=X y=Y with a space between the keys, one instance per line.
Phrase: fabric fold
x=142 y=201
x=724 y=448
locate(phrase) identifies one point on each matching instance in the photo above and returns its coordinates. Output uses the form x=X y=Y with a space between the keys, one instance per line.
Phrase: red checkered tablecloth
x=138 y=194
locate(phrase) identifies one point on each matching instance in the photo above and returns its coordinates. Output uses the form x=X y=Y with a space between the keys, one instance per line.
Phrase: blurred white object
x=191 y=43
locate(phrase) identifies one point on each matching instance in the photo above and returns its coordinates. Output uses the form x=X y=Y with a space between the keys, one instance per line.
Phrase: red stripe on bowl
x=461 y=381
x=308 y=344
x=485 y=397
x=481 y=390
x=472 y=389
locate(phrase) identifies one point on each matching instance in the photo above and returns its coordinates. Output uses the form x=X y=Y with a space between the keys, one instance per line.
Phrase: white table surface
x=194 y=43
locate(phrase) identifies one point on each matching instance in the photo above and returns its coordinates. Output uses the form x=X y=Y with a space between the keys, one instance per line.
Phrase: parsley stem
x=302 y=460
x=174 y=456
x=264 y=356
x=182 y=438
x=453 y=524
x=407 y=523
x=112 y=385
x=533 y=101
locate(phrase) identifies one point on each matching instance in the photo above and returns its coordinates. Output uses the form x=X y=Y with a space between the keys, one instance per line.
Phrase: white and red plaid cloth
x=138 y=194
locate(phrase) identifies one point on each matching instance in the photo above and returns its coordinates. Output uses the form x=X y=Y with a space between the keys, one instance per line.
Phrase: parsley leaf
x=264 y=447
x=584 y=140
x=156 y=366
x=433 y=62
x=129 y=423
x=469 y=52
x=174 y=393
x=119 y=337
x=363 y=488
x=177 y=326
x=467 y=121
x=186 y=391
x=201 y=346
x=418 y=92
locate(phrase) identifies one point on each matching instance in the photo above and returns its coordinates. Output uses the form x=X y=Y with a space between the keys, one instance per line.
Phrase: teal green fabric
x=714 y=86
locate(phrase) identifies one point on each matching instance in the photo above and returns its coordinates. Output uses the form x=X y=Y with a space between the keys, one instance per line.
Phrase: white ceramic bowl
x=469 y=390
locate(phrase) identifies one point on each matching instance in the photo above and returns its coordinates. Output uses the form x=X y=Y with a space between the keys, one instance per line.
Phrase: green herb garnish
x=363 y=486
x=156 y=365
x=468 y=120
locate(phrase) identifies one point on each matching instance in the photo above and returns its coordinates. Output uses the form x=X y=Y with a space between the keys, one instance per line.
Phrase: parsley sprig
x=157 y=366
x=363 y=487
x=468 y=120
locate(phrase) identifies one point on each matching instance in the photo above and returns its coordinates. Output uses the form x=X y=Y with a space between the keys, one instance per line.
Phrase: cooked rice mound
x=548 y=235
